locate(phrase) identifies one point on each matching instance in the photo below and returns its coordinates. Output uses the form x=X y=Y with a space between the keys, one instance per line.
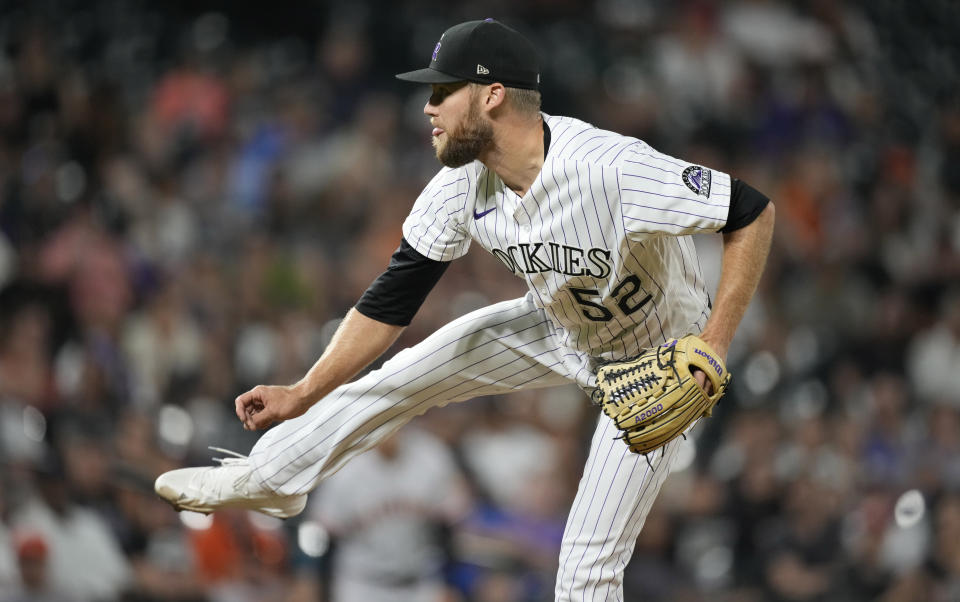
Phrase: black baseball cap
x=484 y=51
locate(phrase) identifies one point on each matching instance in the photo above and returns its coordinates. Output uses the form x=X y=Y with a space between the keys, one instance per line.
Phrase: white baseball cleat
x=208 y=488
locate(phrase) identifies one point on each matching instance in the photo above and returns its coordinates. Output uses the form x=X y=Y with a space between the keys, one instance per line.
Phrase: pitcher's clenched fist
x=265 y=405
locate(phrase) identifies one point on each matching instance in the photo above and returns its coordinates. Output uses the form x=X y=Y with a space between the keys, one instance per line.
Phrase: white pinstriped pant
x=494 y=350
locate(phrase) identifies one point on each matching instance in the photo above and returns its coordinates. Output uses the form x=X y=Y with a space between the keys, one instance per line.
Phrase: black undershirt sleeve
x=397 y=294
x=746 y=203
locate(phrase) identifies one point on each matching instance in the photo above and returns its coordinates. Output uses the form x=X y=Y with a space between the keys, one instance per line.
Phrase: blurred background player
x=388 y=513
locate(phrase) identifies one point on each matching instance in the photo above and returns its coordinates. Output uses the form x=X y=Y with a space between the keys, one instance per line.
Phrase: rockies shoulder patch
x=697 y=179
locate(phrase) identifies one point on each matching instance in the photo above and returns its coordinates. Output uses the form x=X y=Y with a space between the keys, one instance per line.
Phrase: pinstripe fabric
x=601 y=239
x=497 y=349
x=614 y=497
x=604 y=207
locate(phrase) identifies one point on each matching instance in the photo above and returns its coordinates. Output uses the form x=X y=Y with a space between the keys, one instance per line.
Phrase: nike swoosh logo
x=479 y=215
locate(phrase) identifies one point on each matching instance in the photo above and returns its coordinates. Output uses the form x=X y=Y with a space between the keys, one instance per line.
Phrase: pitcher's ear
x=494 y=95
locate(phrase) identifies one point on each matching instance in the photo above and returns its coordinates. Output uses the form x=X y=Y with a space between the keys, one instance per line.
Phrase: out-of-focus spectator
x=935 y=452
x=505 y=456
x=84 y=558
x=801 y=563
x=773 y=34
x=939 y=578
x=511 y=540
x=387 y=512
x=700 y=69
x=884 y=454
x=25 y=371
x=935 y=354
x=240 y=557
x=654 y=569
x=34 y=583
x=165 y=347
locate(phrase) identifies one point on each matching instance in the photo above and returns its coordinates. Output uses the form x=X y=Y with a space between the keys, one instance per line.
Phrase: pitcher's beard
x=466 y=142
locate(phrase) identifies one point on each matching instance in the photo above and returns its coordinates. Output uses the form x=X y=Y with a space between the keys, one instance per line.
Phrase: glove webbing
x=641 y=384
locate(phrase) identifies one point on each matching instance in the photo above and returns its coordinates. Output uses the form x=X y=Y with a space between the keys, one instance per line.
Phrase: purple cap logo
x=436 y=49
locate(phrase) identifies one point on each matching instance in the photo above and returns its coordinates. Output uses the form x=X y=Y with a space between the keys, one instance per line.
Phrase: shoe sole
x=287 y=508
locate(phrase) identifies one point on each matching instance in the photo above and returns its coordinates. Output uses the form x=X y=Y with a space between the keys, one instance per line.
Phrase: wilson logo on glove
x=714 y=363
x=654 y=398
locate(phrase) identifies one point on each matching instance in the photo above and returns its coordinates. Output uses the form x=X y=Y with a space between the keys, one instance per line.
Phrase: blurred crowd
x=192 y=195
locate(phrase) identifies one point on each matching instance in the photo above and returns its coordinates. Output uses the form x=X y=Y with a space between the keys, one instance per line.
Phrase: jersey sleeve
x=396 y=296
x=435 y=227
x=660 y=194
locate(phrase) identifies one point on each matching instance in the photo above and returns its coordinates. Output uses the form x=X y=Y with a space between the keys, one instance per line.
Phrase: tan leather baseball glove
x=654 y=398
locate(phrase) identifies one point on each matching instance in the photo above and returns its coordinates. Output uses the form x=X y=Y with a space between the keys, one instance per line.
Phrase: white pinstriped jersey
x=601 y=238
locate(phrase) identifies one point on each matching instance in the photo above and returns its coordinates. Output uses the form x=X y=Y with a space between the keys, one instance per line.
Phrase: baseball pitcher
x=599 y=227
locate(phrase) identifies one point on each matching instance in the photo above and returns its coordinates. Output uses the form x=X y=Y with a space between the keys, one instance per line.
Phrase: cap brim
x=428 y=76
